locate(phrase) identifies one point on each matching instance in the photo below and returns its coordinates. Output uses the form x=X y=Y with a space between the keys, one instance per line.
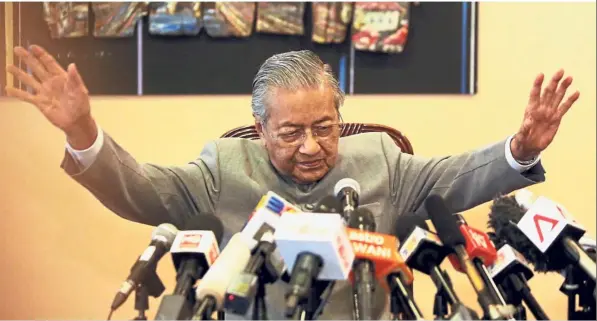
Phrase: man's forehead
x=301 y=107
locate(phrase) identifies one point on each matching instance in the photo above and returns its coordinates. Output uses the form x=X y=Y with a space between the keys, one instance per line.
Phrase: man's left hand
x=542 y=116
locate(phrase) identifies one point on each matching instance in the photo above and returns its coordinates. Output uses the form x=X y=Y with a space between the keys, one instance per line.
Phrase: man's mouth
x=310 y=164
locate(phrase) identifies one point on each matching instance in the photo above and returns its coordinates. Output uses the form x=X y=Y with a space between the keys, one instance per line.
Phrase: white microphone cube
x=198 y=242
x=321 y=234
x=507 y=258
x=546 y=222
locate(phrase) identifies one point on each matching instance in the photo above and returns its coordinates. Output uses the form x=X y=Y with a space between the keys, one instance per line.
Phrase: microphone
x=449 y=233
x=194 y=250
x=423 y=251
x=314 y=246
x=363 y=268
x=478 y=245
x=390 y=269
x=222 y=285
x=211 y=291
x=347 y=190
x=482 y=253
x=541 y=234
x=264 y=266
x=161 y=241
x=512 y=272
x=266 y=216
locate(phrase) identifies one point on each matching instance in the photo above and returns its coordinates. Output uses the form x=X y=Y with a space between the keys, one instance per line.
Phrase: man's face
x=302 y=132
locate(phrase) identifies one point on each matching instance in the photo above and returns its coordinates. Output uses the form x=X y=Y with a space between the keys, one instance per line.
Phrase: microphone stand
x=577 y=286
x=180 y=304
x=446 y=298
x=259 y=304
x=440 y=306
x=141 y=302
x=521 y=292
x=151 y=286
x=395 y=308
x=204 y=309
x=401 y=304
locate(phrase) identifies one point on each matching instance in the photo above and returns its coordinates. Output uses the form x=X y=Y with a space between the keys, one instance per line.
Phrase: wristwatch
x=527 y=162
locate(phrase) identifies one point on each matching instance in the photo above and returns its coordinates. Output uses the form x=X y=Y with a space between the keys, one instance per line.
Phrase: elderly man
x=300 y=156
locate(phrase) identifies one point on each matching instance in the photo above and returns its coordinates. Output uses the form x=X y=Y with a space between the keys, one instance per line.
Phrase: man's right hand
x=59 y=94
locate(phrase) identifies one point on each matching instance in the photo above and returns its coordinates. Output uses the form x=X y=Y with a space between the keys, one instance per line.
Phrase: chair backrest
x=347 y=129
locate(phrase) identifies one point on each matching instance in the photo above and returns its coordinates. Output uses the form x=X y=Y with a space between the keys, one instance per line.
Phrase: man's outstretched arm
x=145 y=193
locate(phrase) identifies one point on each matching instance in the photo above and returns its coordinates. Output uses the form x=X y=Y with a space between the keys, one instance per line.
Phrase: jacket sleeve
x=148 y=193
x=463 y=181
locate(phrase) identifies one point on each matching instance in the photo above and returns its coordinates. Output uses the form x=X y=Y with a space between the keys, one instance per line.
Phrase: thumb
x=74 y=78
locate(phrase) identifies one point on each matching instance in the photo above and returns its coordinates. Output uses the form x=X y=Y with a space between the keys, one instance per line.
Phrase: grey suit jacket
x=231 y=175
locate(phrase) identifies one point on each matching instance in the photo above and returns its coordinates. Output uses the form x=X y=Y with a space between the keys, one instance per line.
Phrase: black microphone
x=161 y=241
x=347 y=190
x=558 y=250
x=194 y=250
x=363 y=270
x=511 y=272
x=449 y=233
x=482 y=252
x=505 y=218
x=423 y=251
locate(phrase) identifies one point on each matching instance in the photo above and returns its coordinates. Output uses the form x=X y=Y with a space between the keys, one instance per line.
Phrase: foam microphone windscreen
x=205 y=222
x=505 y=214
x=446 y=224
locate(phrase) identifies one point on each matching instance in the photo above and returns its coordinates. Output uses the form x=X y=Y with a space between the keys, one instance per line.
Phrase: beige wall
x=63 y=254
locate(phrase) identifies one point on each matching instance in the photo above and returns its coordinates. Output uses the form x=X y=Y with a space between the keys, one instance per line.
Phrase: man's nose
x=310 y=146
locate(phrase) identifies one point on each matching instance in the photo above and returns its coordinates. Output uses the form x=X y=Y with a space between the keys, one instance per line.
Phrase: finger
x=36 y=67
x=20 y=94
x=548 y=92
x=561 y=92
x=47 y=60
x=565 y=106
x=75 y=81
x=24 y=77
x=536 y=90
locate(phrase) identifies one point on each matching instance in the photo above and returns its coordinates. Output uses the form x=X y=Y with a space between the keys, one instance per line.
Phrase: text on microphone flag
x=382 y=249
x=478 y=245
x=371 y=244
x=544 y=222
x=276 y=204
x=190 y=240
x=540 y=218
x=345 y=253
x=196 y=242
x=480 y=239
x=213 y=253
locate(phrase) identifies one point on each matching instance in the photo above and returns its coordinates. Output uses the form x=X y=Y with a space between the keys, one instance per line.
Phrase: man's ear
x=259 y=127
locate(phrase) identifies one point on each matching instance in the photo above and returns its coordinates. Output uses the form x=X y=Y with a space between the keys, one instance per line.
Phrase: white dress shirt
x=86 y=157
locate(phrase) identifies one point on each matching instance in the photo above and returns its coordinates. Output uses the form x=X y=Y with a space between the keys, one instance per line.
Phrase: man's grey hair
x=292 y=70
